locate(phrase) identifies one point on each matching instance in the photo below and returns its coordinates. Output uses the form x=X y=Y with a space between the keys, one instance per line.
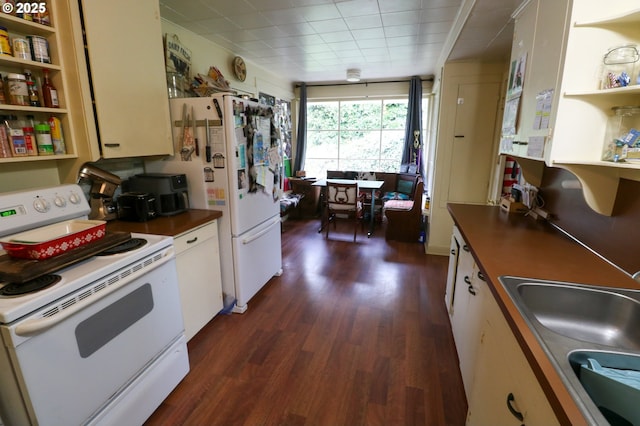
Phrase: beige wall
x=453 y=74
x=205 y=53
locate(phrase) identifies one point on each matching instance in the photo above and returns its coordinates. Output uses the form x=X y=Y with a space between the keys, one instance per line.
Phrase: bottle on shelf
x=43 y=138
x=49 y=92
x=29 y=138
x=32 y=89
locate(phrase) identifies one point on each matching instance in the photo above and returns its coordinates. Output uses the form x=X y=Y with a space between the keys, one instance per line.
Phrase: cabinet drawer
x=195 y=237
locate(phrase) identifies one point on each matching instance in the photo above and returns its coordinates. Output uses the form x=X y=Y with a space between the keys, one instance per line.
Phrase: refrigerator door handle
x=259 y=234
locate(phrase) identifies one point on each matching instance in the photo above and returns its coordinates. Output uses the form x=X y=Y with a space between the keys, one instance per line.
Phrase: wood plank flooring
x=350 y=334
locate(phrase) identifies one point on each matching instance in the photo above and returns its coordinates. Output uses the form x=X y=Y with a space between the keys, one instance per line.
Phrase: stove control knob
x=41 y=205
x=59 y=201
x=74 y=198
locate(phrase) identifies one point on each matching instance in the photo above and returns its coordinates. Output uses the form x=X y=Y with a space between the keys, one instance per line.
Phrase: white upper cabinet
x=127 y=70
x=565 y=43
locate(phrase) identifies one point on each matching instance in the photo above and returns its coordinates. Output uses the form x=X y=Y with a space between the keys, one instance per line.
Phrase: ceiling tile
x=363 y=22
x=249 y=21
x=320 y=12
x=368 y=33
x=329 y=25
x=316 y=40
x=358 y=8
x=400 y=18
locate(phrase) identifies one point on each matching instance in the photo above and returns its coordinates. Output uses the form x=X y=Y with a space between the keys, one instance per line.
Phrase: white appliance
x=238 y=171
x=102 y=345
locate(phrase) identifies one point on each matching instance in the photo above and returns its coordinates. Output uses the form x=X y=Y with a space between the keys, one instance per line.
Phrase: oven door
x=70 y=369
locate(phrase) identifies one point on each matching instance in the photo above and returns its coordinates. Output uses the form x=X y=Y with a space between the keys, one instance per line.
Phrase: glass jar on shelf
x=622 y=137
x=620 y=66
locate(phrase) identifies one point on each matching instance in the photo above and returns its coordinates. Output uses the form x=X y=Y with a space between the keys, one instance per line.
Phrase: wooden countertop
x=510 y=244
x=167 y=225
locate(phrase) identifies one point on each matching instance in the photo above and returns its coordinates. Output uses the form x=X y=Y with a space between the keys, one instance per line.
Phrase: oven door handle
x=40 y=324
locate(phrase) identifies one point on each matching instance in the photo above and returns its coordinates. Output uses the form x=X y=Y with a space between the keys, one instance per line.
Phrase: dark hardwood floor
x=350 y=334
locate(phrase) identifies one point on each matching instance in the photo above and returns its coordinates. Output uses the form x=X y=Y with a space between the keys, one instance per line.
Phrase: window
x=362 y=135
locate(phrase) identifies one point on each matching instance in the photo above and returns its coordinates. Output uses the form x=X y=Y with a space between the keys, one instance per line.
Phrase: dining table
x=366 y=185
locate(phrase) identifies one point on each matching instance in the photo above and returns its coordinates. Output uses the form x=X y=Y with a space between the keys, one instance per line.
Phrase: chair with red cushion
x=404 y=217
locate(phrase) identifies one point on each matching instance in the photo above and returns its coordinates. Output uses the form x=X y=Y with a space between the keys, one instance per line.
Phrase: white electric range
x=103 y=342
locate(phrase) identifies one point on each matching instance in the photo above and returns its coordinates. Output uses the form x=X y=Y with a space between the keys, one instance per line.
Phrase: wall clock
x=239 y=68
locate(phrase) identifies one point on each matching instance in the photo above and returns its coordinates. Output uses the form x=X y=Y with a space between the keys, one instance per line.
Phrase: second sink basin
x=574 y=322
x=585 y=313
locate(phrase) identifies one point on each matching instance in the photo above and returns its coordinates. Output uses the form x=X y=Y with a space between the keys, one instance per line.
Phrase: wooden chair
x=343 y=199
x=404 y=217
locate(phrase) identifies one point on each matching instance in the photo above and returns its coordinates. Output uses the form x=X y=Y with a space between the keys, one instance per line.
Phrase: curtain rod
x=363 y=82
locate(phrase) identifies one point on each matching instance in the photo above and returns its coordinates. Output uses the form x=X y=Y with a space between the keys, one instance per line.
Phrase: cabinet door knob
x=465 y=248
x=517 y=414
x=467 y=279
x=471 y=290
x=481 y=276
x=192 y=240
x=453 y=252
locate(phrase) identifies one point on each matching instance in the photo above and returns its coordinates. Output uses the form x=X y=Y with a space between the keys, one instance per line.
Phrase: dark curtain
x=414 y=123
x=301 y=139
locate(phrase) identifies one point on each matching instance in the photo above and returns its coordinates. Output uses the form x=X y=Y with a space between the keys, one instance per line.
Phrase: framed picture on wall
x=516 y=76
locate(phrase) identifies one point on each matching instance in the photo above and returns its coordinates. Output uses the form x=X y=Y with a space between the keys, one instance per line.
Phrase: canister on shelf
x=16 y=137
x=5 y=44
x=622 y=137
x=56 y=136
x=21 y=48
x=42 y=17
x=620 y=66
x=3 y=99
x=5 y=148
x=16 y=87
x=39 y=49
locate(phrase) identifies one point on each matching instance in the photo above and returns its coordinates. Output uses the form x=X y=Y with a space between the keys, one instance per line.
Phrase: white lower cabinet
x=495 y=372
x=505 y=390
x=466 y=305
x=199 y=279
x=467 y=308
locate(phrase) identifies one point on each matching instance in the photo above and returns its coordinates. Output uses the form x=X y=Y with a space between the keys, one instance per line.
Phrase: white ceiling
x=318 y=40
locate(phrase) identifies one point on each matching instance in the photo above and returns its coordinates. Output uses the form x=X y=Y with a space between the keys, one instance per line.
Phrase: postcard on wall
x=535 y=147
x=506 y=144
x=516 y=76
x=510 y=117
x=544 y=102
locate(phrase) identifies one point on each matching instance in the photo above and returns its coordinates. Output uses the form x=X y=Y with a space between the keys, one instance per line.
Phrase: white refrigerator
x=237 y=169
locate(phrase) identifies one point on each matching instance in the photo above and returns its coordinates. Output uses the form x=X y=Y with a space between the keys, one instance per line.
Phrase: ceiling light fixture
x=353 y=75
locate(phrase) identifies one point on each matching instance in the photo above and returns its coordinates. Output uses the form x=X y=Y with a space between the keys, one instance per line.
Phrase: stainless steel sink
x=585 y=313
x=571 y=320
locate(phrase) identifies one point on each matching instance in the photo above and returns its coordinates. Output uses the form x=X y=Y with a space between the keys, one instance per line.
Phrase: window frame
x=426 y=118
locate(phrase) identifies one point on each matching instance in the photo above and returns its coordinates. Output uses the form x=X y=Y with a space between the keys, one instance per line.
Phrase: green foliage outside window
x=355 y=135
